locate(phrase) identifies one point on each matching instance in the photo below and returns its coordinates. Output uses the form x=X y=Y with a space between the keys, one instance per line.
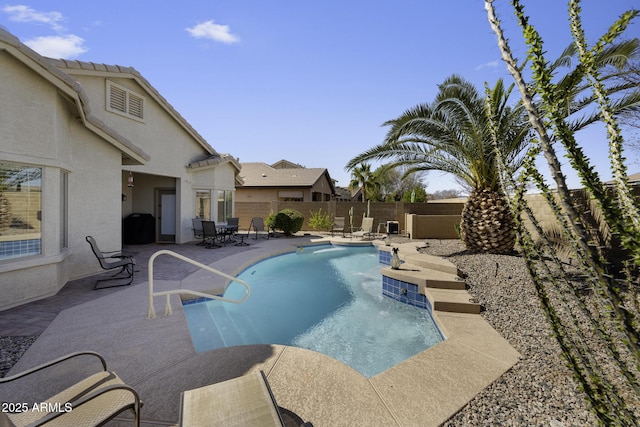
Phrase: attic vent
x=135 y=105
x=123 y=101
x=118 y=99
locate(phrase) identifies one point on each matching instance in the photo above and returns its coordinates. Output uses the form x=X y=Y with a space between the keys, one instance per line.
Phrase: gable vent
x=135 y=105
x=117 y=99
x=122 y=101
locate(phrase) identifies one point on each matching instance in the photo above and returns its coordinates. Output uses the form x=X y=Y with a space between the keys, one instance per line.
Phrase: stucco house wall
x=58 y=121
x=41 y=130
x=170 y=144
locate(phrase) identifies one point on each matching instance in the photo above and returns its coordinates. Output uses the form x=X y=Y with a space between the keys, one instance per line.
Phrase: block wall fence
x=431 y=220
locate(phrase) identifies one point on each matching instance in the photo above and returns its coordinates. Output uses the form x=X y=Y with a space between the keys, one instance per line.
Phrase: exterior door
x=166 y=214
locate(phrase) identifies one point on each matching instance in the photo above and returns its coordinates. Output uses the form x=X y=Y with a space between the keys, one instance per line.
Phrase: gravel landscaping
x=539 y=390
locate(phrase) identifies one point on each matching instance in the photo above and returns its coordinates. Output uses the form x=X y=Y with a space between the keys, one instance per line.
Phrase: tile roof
x=258 y=174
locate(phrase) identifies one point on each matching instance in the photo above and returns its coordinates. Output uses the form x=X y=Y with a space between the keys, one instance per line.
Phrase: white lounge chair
x=241 y=401
x=338 y=225
x=366 y=229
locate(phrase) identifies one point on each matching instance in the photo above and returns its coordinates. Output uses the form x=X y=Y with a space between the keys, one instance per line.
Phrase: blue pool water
x=327 y=299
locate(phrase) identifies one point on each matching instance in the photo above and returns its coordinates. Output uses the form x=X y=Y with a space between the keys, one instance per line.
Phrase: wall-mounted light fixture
x=130 y=180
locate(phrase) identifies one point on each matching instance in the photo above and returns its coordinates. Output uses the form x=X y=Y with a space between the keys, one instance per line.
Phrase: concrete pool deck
x=156 y=356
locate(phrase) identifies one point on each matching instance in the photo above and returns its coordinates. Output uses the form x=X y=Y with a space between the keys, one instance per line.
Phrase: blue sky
x=308 y=81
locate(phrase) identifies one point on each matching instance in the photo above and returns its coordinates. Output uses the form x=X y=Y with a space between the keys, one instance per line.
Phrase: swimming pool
x=323 y=298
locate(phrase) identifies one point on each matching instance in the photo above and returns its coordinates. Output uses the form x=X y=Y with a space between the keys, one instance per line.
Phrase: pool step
x=425 y=277
x=233 y=330
x=204 y=334
x=436 y=278
x=448 y=294
x=452 y=301
x=431 y=262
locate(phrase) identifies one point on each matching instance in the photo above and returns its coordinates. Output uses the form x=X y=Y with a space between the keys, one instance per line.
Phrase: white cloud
x=67 y=47
x=22 y=13
x=491 y=64
x=213 y=31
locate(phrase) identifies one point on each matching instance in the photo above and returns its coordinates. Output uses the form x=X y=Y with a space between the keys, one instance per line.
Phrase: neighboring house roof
x=343 y=193
x=74 y=93
x=258 y=174
x=286 y=164
x=90 y=68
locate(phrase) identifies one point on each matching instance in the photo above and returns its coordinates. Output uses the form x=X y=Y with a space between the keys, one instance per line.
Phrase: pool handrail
x=167 y=309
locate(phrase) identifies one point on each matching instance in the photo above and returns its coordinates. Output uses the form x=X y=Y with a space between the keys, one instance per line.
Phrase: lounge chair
x=245 y=400
x=210 y=234
x=338 y=225
x=257 y=223
x=197 y=231
x=91 y=402
x=112 y=260
x=366 y=229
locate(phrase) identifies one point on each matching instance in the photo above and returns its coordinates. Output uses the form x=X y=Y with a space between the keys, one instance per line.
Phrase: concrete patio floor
x=156 y=356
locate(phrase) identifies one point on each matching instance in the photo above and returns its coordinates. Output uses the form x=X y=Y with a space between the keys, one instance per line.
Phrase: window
x=123 y=101
x=20 y=210
x=203 y=204
x=225 y=205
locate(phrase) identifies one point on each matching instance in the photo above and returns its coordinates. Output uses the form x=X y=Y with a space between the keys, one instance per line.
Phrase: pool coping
x=156 y=357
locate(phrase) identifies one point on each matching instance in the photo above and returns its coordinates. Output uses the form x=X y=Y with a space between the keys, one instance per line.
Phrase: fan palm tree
x=451 y=134
x=362 y=177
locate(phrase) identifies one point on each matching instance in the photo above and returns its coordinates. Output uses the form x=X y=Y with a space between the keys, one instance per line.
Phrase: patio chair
x=197 y=231
x=366 y=229
x=238 y=238
x=232 y=231
x=245 y=400
x=112 y=260
x=257 y=223
x=338 y=225
x=210 y=233
x=92 y=401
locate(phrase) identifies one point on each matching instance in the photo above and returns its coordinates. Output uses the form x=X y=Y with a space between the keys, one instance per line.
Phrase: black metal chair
x=238 y=238
x=257 y=223
x=210 y=233
x=197 y=231
x=112 y=260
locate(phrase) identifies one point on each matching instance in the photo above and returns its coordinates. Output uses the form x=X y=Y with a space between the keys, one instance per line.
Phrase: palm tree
x=451 y=134
x=362 y=177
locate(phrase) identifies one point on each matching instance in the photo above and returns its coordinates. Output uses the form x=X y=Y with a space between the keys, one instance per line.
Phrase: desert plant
x=610 y=383
x=289 y=221
x=320 y=220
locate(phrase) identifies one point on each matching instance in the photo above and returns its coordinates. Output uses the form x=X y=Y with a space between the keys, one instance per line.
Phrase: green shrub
x=320 y=220
x=289 y=221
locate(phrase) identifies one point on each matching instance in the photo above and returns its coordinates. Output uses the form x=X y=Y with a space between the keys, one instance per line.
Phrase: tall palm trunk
x=487 y=223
